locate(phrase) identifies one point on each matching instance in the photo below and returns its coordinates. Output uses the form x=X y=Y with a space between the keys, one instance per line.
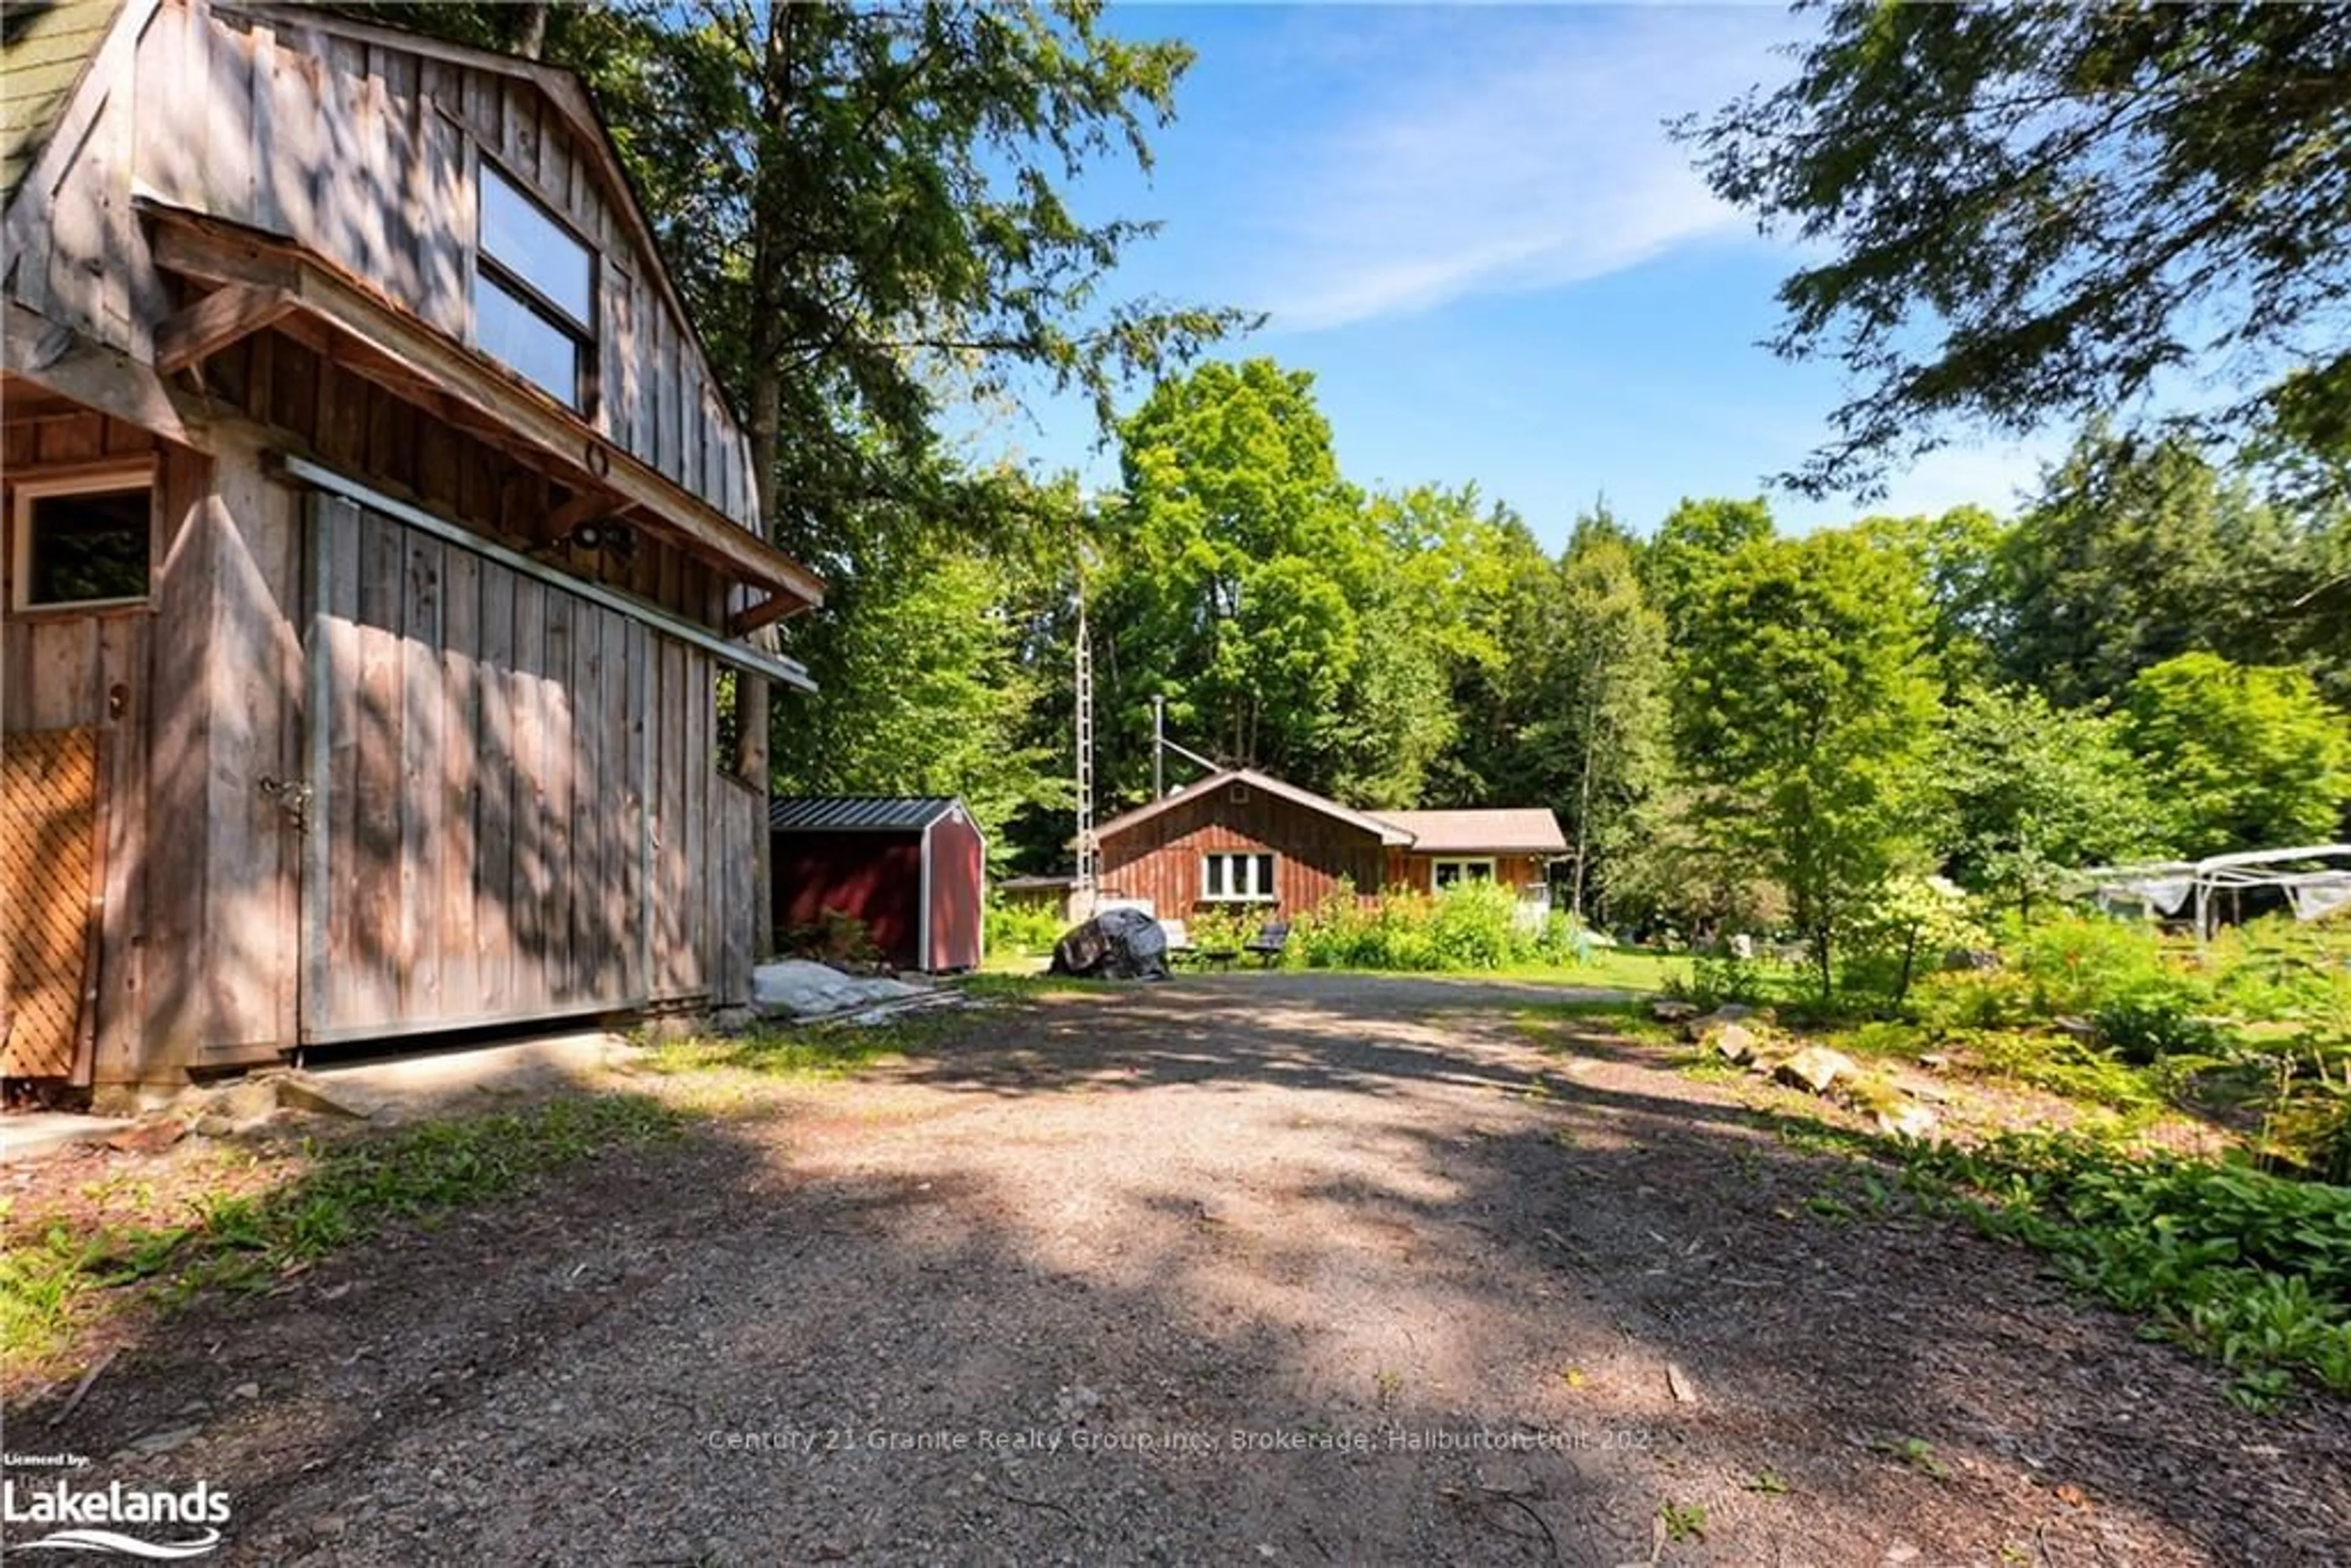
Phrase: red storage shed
x=913 y=868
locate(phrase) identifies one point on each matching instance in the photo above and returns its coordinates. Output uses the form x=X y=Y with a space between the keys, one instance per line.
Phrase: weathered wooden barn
x=911 y=869
x=1244 y=839
x=384 y=580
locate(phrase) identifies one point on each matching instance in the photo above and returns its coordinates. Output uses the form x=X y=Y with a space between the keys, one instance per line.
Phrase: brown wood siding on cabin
x=462 y=713
x=1159 y=859
x=366 y=152
x=1410 y=868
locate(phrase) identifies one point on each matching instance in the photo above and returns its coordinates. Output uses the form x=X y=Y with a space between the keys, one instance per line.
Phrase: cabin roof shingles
x=1514 y=829
x=1509 y=829
x=44 y=47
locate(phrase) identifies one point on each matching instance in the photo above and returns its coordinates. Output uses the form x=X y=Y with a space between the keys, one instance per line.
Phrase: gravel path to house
x=1242 y=1269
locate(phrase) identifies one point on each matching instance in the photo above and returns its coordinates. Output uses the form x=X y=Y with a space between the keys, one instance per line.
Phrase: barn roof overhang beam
x=271 y=281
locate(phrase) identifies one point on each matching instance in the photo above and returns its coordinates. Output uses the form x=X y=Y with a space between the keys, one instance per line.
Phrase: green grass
x=1612 y=969
x=1554 y=1026
x=55 y=1276
x=1030 y=985
x=815 y=1053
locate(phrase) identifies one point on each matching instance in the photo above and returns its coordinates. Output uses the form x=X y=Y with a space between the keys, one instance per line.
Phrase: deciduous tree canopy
x=2036 y=213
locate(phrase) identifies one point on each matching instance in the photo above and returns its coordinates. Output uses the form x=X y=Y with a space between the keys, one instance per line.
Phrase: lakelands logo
x=93 y=1521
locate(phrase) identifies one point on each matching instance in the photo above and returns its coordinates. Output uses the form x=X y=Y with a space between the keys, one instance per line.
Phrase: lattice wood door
x=48 y=805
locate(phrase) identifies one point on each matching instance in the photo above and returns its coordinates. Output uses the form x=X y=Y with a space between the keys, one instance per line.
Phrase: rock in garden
x=164 y=1442
x=322 y=1097
x=1816 y=1067
x=1735 y=1043
x=1978 y=960
x=1665 y=1010
x=149 y=1137
x=1908 y=1122
x=2082 y=1029
x=1728 y=1012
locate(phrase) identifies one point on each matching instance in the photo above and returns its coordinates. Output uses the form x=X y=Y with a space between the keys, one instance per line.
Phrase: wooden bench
x=1268 y=942
x=1180 y=946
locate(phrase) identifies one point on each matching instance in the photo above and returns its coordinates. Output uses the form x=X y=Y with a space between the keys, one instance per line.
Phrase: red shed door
x=956 y=871
x=875 y=878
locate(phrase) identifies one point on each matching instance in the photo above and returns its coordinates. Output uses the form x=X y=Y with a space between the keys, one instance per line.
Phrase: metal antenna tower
x=1089 y=849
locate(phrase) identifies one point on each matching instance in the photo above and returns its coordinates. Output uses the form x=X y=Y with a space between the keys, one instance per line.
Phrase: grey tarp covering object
x=1116 y=944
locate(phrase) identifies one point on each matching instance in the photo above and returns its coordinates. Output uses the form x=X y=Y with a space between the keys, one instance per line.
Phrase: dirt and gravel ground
x=1247 y=1268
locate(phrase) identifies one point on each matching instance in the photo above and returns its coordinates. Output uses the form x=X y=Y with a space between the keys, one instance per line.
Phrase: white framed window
x=1455 y=869
x=83 y=541
x=1239 y=877
x=534 y=291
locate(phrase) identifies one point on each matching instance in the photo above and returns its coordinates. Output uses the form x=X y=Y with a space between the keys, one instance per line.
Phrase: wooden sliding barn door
x=475 y=838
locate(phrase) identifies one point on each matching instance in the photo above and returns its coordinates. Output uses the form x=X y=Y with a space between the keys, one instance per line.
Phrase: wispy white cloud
x=1503 y=153
x=1997 y=474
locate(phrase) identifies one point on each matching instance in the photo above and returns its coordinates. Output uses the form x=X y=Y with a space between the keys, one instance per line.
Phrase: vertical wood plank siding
x=516 y=810
x=1410 y=868
x=357 y=150
x=1159 y=859
x=509 y=884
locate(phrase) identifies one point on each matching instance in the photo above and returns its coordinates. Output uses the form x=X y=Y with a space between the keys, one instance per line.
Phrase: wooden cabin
x=384 y=585
x=1241 y=840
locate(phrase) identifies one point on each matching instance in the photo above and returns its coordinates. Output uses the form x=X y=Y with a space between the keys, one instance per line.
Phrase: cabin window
x=1236 y=878
x=1446 y=872
x=83 y=541
x=534 y=294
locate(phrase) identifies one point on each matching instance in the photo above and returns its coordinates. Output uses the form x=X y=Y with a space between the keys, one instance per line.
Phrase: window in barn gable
x=534 y=293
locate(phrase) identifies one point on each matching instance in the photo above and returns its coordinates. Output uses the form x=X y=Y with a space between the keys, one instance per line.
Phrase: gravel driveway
x=1254 y=1268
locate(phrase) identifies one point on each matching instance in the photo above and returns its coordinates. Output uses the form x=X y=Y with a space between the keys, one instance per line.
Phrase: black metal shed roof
x=858 y=813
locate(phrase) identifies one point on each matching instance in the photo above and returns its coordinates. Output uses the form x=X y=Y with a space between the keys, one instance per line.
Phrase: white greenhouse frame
x=2314 y=878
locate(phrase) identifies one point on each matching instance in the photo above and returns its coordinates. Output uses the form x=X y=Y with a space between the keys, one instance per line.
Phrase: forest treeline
x=868 y=210
x=2153 y=656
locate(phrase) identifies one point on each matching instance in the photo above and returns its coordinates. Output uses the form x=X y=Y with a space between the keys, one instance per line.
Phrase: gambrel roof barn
x=384 y=564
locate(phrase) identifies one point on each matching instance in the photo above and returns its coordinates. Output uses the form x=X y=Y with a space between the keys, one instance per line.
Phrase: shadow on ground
x=1343 y=1273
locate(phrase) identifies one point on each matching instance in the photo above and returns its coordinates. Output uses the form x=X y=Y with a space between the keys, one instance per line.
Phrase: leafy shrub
x=1903 y=934
x=1022 y=926
x=2084 y=966
x=2155 y=1024
x=1223 y=930
x=1717 y=978
x=834 y=936
x=1469 y=925
x=2277 y=967
x=2250 y=1269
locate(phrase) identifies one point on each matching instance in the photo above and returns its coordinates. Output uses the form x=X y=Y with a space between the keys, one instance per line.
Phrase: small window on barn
x=83 y=541
x=534 y=295
x=1236 y=878
x=727 y=722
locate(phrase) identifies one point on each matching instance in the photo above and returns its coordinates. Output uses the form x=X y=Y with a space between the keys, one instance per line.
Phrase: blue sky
x=1468 y=222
